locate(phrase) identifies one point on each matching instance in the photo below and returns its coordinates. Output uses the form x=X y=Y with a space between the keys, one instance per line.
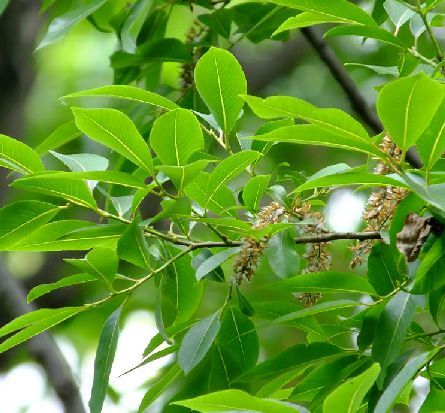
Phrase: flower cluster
x=193 y=37
x=317 y=256
x=249 y=257
x=382 y=203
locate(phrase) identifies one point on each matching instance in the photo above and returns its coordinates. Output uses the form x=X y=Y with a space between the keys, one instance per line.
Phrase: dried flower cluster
x=317 y=255
x=249 y=257
x=194 y=36
x=381 y=204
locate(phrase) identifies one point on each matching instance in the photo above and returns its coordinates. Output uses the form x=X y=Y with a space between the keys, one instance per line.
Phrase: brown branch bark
x=42 y=347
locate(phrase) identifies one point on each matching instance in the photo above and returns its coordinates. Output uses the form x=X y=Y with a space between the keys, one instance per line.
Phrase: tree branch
x=358 y=102
x=42 y=347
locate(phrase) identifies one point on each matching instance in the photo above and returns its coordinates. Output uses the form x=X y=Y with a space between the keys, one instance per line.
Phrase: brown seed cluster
x=250 y=255
x=194 y=36
x=317 y=256
x=382 y=203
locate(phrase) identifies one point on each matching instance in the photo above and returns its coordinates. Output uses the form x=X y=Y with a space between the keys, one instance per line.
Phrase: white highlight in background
x=344 y=210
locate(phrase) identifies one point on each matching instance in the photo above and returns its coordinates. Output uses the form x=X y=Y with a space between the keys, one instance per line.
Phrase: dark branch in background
x=358 y=102
x=42 y=347
x=19 y=25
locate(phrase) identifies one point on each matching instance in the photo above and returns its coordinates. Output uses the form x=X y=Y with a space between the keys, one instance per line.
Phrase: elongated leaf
x=351 y=178
x=298 y=355
x=306 y=19
x=133 y=247
x=62 y=25
x=197 y=342
x=159 y=387
x=175 y=136
x=235 y=400
x=392 y=327
x=407 y=106
x=281 y=253
x=133 y=24
x=215 y=261
x=316 y=135
x=317 y=309
x=74 y=191
x=71 y=235
x=19 y=219
x=325 y=282
x=398 y=12
x=35 y=323
x=128 y=93
x=342 y=9
x=254 y=190
x=103 y=362
x=100 y=262
x=220 y=80
x=370 y=32
x=383 y=273
x=349 y=396
x=82 y=162
x=181 y=176
x=19 y=157
x=434 y=401
x=228 y=169
x=335 y=121
x=62 y=135
x=395 y=387
x=431 y=144
x=111 y=177
x=43 y=289
x=115 y=130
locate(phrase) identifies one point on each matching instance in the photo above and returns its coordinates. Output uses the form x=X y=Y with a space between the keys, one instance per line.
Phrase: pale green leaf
x=19 y=157
x=306 y=19
x=215 y=261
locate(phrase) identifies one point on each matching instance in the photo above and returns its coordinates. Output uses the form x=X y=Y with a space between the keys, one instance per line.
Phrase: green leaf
x=254 y=190
x=235 y=400
x=43 y=289
x=103 y=362
x=407 y=106
x=383 y=272
x=398 y=12
x=316 y=135
x=3 y=5
x=431 y=144
x=306 y=19
x=111 y=177
x=34 y=323
x=325 y=282
x=128 y=93
x=197 y=342
x=434 y=402
x=72 y=190
x=297 y=355
x=335 y=121
x=217 y=274
x=429 y=273
x=437 y=304
x=342 y=9
x=214 y=261
x=159 y=387
x=175 y=136
x=70 y=235
x=63 y=24
x=220 y=80
x=281 y=253
x=115 y=130
x=100 y=262
x=395 y=387
x=392 y=327
x=82 y=162
x=133 y=247
x=19 y=157
x=370 y=32
x=134 y=23
x=351 y=178
x=181 y=176
x=62 y=135
x=349 y=396
x=317 y=309
x=19 y=219
x=179 y=284
x=228 y=169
